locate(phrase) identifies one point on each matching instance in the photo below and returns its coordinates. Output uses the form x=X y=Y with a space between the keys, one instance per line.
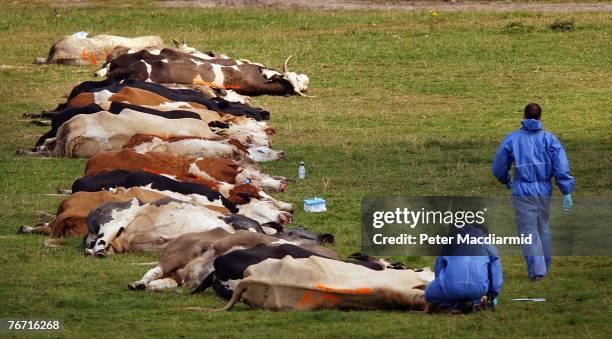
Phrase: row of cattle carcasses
x=173 y=166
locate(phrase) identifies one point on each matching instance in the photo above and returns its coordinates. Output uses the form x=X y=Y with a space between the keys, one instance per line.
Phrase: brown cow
x=204 y=170
x=70 y=219
x=188 y=259
x=132 y=95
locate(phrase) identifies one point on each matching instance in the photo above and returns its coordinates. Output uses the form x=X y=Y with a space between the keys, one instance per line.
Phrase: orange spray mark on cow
x=324 y=288
x=306 y=299
x=199 y=81
x=84 y=55
x=92 y=59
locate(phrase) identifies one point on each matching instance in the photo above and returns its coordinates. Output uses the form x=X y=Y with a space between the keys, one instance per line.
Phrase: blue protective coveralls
x=538 y=156
x=465 y=272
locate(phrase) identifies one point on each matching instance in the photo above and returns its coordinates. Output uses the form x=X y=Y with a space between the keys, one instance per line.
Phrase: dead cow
x=319 y=283
x=252 y=202
x=71 y=216
x=229 y=268
x=133 y=226
x=87 y=135
x=77 y=51
x=183 y=168
x=188 y=259
x=244 y=78
x=202 y=147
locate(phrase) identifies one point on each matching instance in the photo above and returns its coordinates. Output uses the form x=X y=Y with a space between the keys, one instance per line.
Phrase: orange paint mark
x=199 y=81
x=306 y=299
x=84 y=55
x=324 y=288
x=92 y=59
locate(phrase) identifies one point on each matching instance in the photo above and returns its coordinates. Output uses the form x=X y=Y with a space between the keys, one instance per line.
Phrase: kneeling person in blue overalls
x=464 y=275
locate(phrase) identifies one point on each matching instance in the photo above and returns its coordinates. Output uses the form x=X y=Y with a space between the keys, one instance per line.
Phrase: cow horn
x=285 y=68
x=304 y=95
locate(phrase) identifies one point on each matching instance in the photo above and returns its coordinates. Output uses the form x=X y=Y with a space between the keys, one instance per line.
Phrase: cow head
x=299 y=82
x=302 y=236
x=241 y=222
x=265 y=212
x=260 y=179
x=264 y=153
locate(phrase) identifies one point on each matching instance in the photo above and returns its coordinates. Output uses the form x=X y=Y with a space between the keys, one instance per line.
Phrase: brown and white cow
x=87 y=135
x=188 y=260
x=201 y=147
x=181 y=51
x=315 y=283
x=137 y=96
x=70 y=219
x=205 y=169
x=244 y=78
x=133 y=226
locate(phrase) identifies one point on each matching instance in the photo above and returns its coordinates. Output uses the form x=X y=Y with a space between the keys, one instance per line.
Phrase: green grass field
x=406 y=105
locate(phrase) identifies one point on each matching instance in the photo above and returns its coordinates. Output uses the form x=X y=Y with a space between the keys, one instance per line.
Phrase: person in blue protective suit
x=538 y=156
x=465 y=274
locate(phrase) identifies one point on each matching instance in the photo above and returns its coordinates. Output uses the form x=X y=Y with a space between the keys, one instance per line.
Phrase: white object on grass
x=314 y=205
x=529 y=299
x=302 y=171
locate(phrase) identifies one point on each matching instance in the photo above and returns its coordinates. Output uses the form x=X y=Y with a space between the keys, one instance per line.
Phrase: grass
x=406 y=105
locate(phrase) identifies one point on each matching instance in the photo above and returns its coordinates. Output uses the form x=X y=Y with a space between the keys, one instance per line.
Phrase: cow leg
x=43 y=229
x=152 y=274
x=111 y=229
x=41 y=151
x=197 y=269
x=107 y=233
x=283 y=206
x=161 y=284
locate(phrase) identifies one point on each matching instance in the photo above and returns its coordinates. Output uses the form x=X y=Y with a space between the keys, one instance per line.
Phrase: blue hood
x=531 y=125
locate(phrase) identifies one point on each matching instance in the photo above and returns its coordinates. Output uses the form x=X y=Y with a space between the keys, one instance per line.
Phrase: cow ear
x=278 y=227
x=356 y=255
x=327 y=238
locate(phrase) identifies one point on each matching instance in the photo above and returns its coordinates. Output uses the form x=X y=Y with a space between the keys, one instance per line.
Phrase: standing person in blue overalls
x=538 y=156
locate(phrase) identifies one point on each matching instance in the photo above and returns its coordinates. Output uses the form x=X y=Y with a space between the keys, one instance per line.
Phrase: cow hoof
x=137 y=286
x=24 y=229
x=285 y=218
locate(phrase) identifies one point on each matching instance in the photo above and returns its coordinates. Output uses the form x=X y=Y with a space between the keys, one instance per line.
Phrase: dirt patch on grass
x=403 y=5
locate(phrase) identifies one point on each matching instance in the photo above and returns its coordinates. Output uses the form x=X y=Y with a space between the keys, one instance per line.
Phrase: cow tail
x=235 y=297
x=240 y=289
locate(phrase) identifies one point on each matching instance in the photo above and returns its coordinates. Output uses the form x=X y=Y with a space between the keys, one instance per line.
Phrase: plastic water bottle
x=302 y=171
